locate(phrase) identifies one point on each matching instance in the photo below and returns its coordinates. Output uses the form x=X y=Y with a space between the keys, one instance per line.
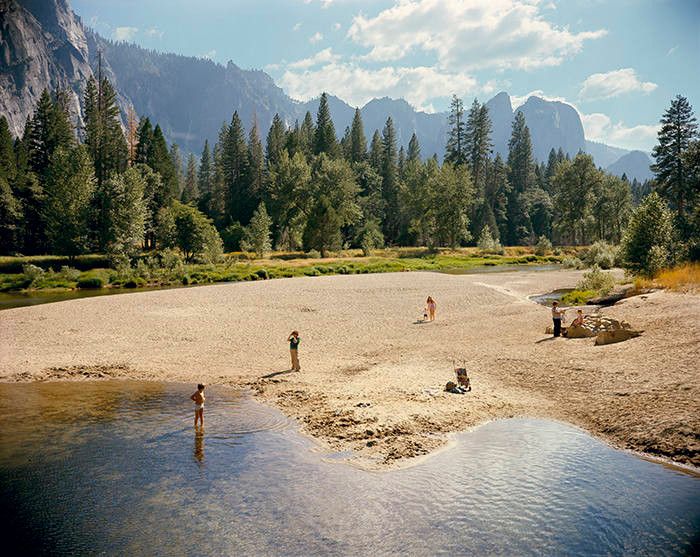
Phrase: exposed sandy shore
x=372 y=376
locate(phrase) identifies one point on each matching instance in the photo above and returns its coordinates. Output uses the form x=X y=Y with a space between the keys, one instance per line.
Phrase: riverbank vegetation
x=169 y=267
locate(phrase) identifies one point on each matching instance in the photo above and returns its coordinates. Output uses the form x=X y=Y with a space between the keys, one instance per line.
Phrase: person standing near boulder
x=293 y=341
x=557 y=315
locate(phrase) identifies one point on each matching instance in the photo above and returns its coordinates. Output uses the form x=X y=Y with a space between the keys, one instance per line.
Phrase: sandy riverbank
x=372 y=375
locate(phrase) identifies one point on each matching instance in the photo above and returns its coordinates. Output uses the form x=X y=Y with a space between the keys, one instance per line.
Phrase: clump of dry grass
x=685 y=278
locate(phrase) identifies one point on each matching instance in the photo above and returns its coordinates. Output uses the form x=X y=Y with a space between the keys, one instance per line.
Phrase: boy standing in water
x=294 y=340
x=198 y=399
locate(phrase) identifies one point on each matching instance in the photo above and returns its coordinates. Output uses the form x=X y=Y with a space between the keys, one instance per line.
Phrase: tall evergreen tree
x=414 y=148
x=144 y=146
x=49 y=130
x=345 y=144
x=358 y=143
x=289 y=193
x=521 y=176
x=10 y=210
x=678 y=128
x=191 y=190
x=29 y=194
x=103 y=134
x=256 y=171
x=455 y=150
x=307 y=134
x=162 y=163
x=235 y=166
x=275 y=140
x=376 y=152
x=478 y=134
x=322 y=230
x=390 y=182
x=325 y=140
x=205 y=179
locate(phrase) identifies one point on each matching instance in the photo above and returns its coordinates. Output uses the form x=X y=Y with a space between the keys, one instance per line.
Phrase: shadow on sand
x=546 y=339
x=276 y=373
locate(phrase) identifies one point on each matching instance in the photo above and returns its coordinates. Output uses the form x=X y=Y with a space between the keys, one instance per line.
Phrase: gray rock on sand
x=617 y=335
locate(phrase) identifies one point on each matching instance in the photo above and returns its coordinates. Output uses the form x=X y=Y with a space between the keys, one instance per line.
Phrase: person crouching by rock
x=557 y=315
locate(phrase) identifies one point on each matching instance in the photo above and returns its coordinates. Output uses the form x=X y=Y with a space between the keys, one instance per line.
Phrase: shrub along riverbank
x=168 y=267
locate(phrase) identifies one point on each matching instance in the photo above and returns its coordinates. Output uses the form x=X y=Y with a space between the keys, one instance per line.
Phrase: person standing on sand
x=431 y=307
x=198 y=399
x=293 y=341
x=557 y=315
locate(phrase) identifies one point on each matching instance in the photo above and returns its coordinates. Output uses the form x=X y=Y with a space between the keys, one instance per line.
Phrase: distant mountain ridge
x=44 y=44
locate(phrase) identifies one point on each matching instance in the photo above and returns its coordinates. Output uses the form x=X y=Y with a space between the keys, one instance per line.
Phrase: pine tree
x=414 y=149
x=478 y=130
x=521 y=176
x=190 y=193
x=205 y=179
x=256 y=171
x=49 y=130
x=322 y=230
x=144 y=146
x=132 y=134
x=10 y=210
x=390 y=182
x=358 y=143
x=275 y=141
x=308 y=131
x=256 y=237
x=103 y=133
x=376 y=152
x=162 y=163
x=324 y=139
x=234 y=156
x=678 y=128
x=456 y=140
x=293 y=142
x=29 y=194
x=345 y=144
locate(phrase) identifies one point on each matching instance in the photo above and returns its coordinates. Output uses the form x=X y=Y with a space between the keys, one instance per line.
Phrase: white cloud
x=326 y=3
x=595 y=126
x=297 y=27
x=672 y=50
x=336 y=26
x=457 y=33
x=124 y=33
x=324 y=56
x=599 y=127
x=155 y=32
x=209 y=55
x=613 y=84
x=357 y=85
x=315 y=38
x=519 y=100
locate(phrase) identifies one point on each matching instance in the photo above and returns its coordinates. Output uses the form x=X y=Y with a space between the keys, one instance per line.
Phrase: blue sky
x=619 y=62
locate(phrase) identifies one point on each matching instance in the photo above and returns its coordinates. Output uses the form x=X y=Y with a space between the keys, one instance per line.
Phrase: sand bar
x=372 y=374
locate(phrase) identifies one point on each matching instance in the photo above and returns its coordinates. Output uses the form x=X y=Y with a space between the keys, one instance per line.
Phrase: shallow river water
x=117 y=468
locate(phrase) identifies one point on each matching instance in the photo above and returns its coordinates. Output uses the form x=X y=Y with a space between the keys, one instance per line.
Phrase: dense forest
x=102 y=189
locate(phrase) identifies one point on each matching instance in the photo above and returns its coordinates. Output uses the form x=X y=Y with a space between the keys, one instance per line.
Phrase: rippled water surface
x=118 y=468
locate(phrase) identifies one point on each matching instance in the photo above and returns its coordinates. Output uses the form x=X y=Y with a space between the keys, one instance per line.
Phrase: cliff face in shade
x=501 y=114
x=553 y=124
x=42 y=45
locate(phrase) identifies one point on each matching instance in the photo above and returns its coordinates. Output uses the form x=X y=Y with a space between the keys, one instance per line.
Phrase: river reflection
x=118 y=468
